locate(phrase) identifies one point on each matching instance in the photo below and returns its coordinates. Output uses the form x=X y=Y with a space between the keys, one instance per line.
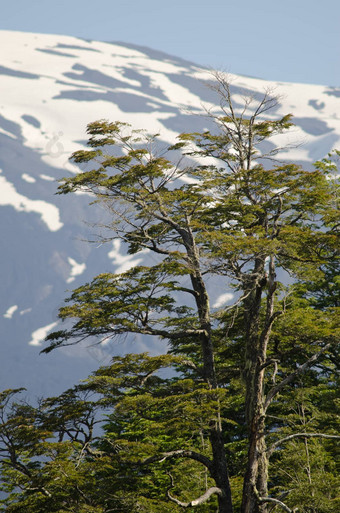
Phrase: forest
x=240 y=414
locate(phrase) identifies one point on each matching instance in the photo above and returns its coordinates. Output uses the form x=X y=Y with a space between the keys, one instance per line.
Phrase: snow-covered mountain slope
x=51 y=87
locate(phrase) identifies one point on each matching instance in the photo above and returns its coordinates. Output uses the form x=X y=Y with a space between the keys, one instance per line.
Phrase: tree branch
x=180 y=453
x=195 y=502
x=200 y=500
x=276 y=444
x=300 y=370
x=39 y=489
x=277 y=502
x=268 y=363
x=274 y=501
x=171 y=335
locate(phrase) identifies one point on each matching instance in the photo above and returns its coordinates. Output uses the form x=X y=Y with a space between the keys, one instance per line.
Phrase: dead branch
x=276 y=444
x=195 y=502
x=273 y=361
x=300 y=370
x=178 y=454
x=276 y=502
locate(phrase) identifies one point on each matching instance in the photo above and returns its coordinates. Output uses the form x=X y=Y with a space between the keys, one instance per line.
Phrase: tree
x=42 y=454
x=229 y=218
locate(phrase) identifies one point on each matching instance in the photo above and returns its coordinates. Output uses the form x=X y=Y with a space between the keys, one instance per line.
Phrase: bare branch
x=171 y=335
x=196 y=502
x=269 y=362
x=277 y=502
x=180 y=453
x=300 y=370
x=39 y=489
x=111 y=333
x=200 y=500
x=274 y=501
x=276 y=444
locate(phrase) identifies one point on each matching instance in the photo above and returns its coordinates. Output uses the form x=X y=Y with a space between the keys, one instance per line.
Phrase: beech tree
x=213 y=206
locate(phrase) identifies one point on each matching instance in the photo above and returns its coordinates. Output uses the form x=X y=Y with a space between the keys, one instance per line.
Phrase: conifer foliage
x=246 y=421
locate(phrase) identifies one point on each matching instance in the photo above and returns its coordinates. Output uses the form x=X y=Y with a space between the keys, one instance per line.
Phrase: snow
x=27 y=310
x=54 y=114
x=47 y=178
x=28 y=178
x=105 y=70
x=5 y=132
x=123 y=262
x=223 y=299
x=76 y=269
x=10 y=312
x=176 y=94
x=49 y=213
x=39 y=335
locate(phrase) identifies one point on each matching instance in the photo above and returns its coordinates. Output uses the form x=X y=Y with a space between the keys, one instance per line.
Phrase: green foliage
x=242 y=407
x=309 y=464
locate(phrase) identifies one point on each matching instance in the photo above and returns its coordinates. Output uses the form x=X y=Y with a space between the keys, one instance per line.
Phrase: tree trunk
x=255 y=357
x=255 y=479
x=219 y=460
x=220 y=470
x=257 y=338
x=262 y=471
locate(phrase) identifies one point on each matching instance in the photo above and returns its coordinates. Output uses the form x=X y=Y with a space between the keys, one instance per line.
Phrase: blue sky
x=284 y=40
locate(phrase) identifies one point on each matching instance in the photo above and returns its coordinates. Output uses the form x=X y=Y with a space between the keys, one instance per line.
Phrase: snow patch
x=39 y=335
x=124 y=262
x=27 y=310
x=28 y=178
x=223 y=299
x=47 y=178
x=10 y=197
x=3 y=131
x=10 y=311
x=76 y=269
